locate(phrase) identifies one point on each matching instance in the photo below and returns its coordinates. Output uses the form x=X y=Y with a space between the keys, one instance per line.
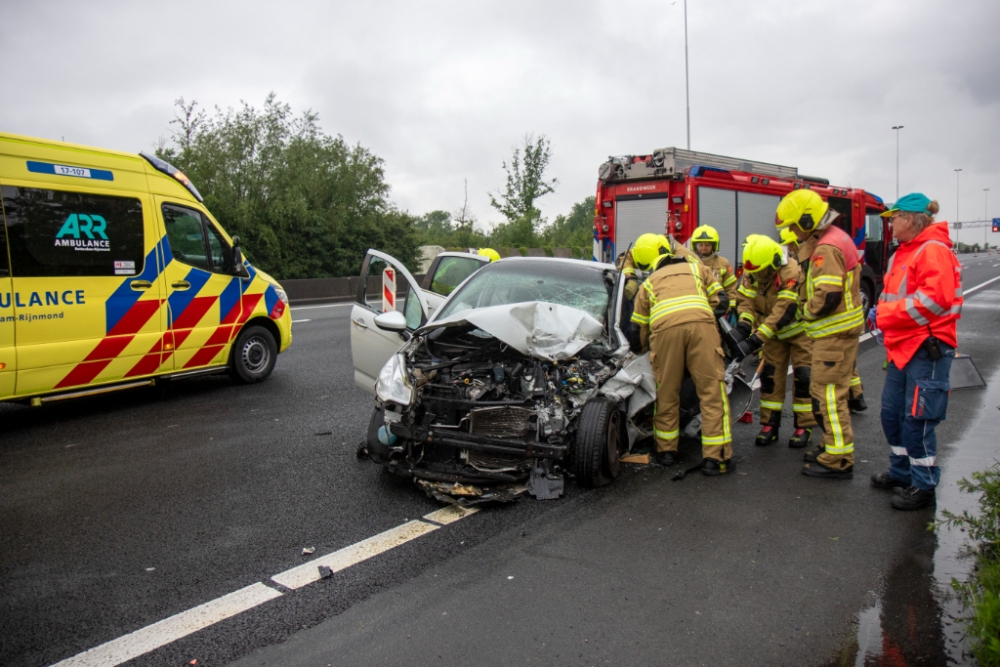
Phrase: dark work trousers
x=914 y=402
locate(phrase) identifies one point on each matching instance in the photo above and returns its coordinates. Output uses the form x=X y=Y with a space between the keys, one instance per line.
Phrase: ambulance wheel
x=599 y=443
x=253 y=355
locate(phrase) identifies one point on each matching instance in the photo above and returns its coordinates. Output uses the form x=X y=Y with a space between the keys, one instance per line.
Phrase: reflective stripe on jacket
x=723 y=273
x=922 y=296
x=764 y=304
x=832 y=268
x=677 y=292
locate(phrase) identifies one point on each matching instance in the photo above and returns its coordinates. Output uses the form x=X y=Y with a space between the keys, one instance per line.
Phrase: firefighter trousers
x=832 y=367
x=777 y=354
x=856 y=387
x=694 y=345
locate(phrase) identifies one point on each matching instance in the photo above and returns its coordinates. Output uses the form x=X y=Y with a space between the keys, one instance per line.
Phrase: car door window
x=414 y=315
x=218 y=250
x=451 y=272
x=186 y=235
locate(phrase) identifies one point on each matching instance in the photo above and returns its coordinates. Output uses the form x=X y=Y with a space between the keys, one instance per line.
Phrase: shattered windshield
x=579 y=286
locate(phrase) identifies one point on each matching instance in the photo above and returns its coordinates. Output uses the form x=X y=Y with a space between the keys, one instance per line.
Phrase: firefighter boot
x=882 y=480
x=857 y=404
x=800 y=438
x=817 y=469
x=666 y=458
x=768 y=435
x=712 y=467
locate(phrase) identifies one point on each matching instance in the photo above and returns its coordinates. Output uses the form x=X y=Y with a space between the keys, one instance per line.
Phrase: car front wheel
x=599 y=443
x=253 y=355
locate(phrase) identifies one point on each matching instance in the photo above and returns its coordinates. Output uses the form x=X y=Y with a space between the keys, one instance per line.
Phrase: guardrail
x=305 y=290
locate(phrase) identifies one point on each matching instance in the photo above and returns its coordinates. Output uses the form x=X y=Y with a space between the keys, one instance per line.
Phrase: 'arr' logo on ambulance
x=91 y=227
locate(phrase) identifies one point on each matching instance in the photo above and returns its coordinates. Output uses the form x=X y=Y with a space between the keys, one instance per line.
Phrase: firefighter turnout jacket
x=922 y=295
x=767 y=301
x=679 y=290
x=723 y=273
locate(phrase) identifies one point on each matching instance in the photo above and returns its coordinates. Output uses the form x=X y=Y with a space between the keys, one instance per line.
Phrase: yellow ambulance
x=113 y=274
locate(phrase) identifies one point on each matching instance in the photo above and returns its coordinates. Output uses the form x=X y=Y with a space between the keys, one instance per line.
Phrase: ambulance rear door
x=86 y=284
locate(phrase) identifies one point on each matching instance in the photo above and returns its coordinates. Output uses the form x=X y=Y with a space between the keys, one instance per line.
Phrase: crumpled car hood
x=535 y=328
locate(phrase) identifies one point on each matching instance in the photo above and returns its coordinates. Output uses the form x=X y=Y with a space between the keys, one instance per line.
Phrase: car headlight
x=393 y=383
x=281 y=295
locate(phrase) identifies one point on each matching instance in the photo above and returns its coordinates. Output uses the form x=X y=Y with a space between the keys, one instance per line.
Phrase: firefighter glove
x=743 y=328
x=754 y=343
x=631 y=287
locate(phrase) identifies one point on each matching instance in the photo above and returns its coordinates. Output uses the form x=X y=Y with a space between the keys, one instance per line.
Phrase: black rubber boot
x=666 y=458
x=711 y=467
x=857 y=404
x=768 y=436
x=912 y=498
x=882 y=480
x=800 y=438
x=817 y=469
x=810 y=457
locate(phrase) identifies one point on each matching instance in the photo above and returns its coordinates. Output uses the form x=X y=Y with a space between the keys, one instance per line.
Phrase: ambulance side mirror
x=237 y=259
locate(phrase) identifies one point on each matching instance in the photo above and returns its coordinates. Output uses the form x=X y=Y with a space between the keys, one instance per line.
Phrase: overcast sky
x=443 y=90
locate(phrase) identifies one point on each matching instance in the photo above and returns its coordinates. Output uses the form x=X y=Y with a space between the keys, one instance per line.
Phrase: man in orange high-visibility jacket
x=918 y=313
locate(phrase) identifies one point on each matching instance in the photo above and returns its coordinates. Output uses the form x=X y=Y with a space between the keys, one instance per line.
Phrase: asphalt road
x=120 y=512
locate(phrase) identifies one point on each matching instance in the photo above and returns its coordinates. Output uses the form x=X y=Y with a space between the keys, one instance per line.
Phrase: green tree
x=306 y=204
x=526 y=182
x=573 y=230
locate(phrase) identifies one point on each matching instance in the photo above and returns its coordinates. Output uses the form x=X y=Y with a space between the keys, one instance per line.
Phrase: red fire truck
x=673 y=191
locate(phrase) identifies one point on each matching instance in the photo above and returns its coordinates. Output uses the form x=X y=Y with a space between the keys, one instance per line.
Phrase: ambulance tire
x=599 y=443
x=253 y=355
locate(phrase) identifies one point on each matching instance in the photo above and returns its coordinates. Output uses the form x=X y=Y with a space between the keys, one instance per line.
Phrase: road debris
x=640 y=459
x=308 y=551
x=325 y=572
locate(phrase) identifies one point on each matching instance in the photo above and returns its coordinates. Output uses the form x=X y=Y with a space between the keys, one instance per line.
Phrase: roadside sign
x=388 y=289
x=996 y=224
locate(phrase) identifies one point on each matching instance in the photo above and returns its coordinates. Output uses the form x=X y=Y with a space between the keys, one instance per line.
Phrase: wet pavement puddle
x=916 y=617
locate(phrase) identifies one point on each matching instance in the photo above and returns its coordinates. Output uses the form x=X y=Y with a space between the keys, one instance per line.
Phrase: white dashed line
x=295 y=321
x=981 y=285
x=171 y=629
x=161 y=633
x=326 y=305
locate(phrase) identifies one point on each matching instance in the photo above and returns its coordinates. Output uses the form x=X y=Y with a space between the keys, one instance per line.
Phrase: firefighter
x=645 y=250
x=675 y=312
x=705 y=243
x=768 y=301
x=490 y=253
x=830 y=307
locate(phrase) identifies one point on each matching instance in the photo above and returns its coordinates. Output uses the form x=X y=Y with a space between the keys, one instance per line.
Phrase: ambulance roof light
x=172 y=171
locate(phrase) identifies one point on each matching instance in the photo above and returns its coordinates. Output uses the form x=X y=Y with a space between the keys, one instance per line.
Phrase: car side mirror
x=236 y=257
x=391 y=321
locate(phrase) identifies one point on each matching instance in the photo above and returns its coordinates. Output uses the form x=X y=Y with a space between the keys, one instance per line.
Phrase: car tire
x=253 y=355
x=598 y=443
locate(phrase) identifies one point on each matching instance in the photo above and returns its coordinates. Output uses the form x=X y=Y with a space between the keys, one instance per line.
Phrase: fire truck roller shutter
x=755 y=215
x=634 y=217
x=718 y=208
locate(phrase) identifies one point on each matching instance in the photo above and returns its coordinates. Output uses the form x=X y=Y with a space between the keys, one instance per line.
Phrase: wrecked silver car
x=523 y=376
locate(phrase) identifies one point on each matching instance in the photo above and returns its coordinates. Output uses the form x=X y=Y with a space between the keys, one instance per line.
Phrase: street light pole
x=986 y=214
x=897 y=128
x=958 y=177
x=687 y=86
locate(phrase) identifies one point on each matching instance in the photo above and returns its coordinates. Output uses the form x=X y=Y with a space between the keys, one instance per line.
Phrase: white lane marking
x=294 y=321
x=161 y=633
x=171 y=629
x=326 y=305
x=981 y=285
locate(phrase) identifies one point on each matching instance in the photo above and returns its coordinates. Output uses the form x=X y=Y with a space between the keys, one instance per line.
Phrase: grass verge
x=981 y=594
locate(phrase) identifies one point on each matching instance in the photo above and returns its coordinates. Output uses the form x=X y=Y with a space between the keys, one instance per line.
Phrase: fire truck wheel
x=253 y=355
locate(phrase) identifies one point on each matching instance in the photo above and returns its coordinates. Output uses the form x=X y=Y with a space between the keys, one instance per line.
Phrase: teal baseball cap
x=915 y=202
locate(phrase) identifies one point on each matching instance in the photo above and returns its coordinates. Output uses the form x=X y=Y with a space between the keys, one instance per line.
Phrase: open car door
x=383 y=279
